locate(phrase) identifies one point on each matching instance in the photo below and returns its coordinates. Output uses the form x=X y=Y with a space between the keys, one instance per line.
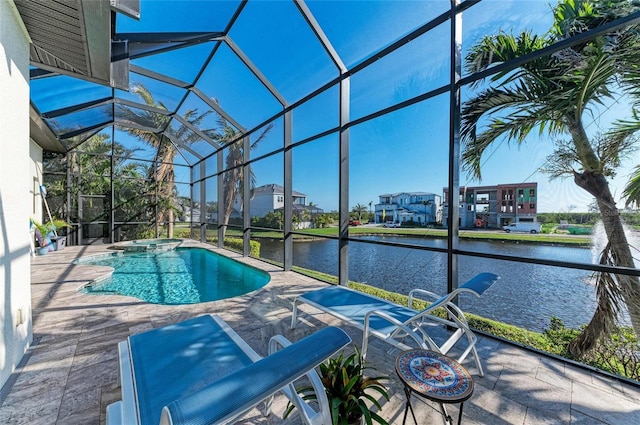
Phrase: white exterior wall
x=16 y=183
x=264 y=203
x=407 y=206
x=402 y=199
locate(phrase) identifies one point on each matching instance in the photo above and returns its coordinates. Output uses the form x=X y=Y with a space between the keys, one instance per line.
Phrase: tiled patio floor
x=72 y=372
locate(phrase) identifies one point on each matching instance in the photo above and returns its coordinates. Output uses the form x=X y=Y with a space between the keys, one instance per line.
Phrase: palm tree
x=233 y=177
x=424 y=204
x=552 y=94
x=305 y=216
x=360 y=209
x=165 y=149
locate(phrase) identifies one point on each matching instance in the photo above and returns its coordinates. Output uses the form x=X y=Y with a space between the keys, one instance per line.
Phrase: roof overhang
x=42 y=134
x=74 y=37
x=71 y=37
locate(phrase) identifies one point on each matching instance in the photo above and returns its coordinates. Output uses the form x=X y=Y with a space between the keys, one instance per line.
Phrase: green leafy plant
x=348 y=390
x=44 y=229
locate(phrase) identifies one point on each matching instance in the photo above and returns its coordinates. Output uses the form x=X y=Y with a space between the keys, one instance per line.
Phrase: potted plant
x=348 y=390
x=45 y=231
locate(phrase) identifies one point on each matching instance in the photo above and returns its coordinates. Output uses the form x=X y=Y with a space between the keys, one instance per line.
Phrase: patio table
x=435 y=377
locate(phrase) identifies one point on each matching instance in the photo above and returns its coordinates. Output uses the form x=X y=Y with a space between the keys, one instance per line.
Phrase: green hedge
x=619 y=355
x=232 y=244
x=236 y=244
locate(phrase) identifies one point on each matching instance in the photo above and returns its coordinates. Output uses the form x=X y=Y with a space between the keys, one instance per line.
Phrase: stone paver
x=72 y=370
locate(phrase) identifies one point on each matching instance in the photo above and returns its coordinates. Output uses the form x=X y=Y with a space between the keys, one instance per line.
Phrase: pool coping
x=113 y=251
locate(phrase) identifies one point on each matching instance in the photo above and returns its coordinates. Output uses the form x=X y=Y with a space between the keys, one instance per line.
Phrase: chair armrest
x=400 y=326
x=477 y=285
x=237 y=392
x=455 y=316
x=323 y=414
x=278 y=342
x=423 y=292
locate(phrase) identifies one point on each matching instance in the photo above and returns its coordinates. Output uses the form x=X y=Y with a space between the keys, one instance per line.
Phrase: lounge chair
x=394 y=323
x=201 y=372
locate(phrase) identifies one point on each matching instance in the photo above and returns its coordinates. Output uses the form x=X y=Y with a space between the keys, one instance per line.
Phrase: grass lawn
x=545 y=238
x=437 y=233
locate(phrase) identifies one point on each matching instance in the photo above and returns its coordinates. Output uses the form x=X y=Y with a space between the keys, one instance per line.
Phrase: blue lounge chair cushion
x=180 y=359
x=397 y=324
x=244 y=388
x=354 y=305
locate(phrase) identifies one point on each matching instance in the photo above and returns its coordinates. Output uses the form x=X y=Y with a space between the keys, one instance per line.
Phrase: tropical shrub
x=619 y=354
x=348 y=390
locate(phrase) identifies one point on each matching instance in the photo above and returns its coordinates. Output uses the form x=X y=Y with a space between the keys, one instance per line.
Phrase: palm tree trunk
x=228 y=207
x=230 y=184
x=170 y=224
x=619 y=254
x=159 y=221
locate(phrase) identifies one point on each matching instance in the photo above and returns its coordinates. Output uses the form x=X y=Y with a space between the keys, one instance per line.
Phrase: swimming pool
x=180 y=276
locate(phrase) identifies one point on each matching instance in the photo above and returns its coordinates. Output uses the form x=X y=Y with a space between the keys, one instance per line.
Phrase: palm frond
x=262 y=135
x=562 y=162
x=499 y=48
x=609 y=295
x=572 y=18
x=511 y=112
x=632 y=189
x=146 y=96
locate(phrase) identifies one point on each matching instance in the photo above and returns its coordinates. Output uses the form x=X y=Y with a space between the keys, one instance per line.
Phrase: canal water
x=527 y=295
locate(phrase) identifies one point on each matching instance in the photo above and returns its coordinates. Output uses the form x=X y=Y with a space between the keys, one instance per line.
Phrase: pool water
x=180 y=276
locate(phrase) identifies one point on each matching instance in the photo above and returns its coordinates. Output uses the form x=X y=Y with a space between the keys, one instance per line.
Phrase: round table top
x=434 y=376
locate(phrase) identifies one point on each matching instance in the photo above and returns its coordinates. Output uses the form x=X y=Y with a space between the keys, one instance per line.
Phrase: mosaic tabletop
x=434 y=376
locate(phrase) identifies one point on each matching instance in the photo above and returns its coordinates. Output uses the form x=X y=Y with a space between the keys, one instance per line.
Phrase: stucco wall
x=263 y=203
x=15 y=187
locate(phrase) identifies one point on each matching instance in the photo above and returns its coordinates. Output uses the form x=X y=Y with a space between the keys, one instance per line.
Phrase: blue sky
x=403 y=151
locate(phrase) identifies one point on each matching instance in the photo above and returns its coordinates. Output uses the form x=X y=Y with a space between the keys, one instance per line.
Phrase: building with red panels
x=492 y=207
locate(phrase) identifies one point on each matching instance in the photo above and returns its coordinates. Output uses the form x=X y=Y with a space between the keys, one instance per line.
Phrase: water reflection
x=527 y=295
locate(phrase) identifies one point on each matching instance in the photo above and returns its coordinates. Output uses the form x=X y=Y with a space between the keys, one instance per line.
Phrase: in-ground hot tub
x=141 y=245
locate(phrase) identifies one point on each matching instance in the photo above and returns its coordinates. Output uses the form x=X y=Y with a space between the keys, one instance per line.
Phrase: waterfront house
x=270 y=198
x=421 y=208
x=492 y=207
